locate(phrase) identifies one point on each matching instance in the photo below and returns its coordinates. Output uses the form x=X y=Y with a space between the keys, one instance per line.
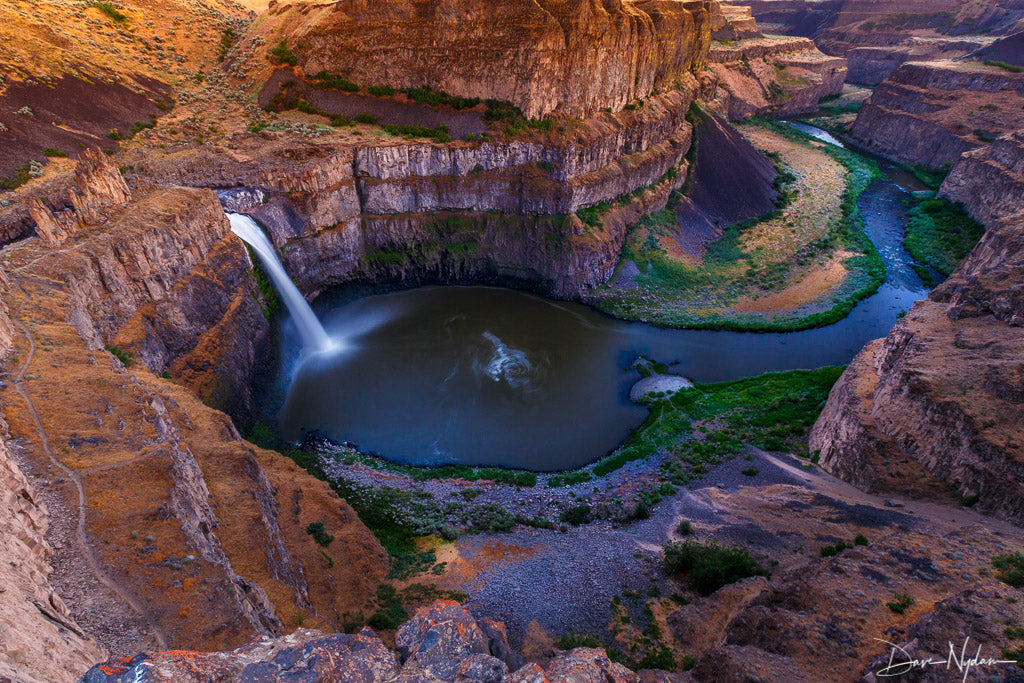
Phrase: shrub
x=1010 y=569
x=710 y=565
x=110 y=11
x=750 y=471
x=831 y=550
x=126 y=357
x=51 y=152
x=381 y=91
x=860 y=539
x=900 y=603
x=327 y=80
x=319 y=534
x=368 y=119
x=1012 y=68
x=685 y=528
x=571 y=641
x=281 y=54
x=576 y=515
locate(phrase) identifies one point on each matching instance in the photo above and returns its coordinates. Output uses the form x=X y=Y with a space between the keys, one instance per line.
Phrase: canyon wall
x=502 y=211
x=940 y=399
x=989 y=182
x=193 y=537
x=928 y=114
x=770 y=76
x=522 y=51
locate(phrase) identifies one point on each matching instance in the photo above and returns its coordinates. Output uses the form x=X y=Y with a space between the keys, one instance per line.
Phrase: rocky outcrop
x=522 y=51
x=944 y=391
x=989 y=182
x=771 y=76
x=441 y=643
x=97 y=185
x=928 y=114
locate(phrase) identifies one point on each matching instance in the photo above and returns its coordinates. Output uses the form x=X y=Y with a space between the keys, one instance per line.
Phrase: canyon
x=527 y=145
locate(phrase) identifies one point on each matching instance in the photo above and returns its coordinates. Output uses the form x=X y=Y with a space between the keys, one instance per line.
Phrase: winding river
x=489 y=376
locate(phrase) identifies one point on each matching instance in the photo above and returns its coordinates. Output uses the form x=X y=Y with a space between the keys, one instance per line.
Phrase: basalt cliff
x=613 y=52
x=929 y=113
x=935 y=407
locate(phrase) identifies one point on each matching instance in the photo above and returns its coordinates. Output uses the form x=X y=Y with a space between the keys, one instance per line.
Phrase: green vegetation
x=440 y=133
x=322 y=79
x=900 y=603
x=368 y=119
x=576 y=515
x=1010 y=569
x=267 y=297
x=860 y=539
x=380 y=91
x=391 y=613
x=51 y=152
x=110 y=11
x=569 y=479
x=1015 y=655
x=227 y=41
x=571 y=641
x=1012 y=68
x=833 y=550
x=21 y=176
x=750 y=472
x=710 y=565
x=126 y=357
x=436 y=98
x=721 y=278
x=771 y=411
x=684 y=528
x=931 y=177
x=281 y=54
x=940 y=234
x=319 y=534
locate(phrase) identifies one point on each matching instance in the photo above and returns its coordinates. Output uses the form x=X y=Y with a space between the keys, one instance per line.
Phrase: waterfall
x=314 y=338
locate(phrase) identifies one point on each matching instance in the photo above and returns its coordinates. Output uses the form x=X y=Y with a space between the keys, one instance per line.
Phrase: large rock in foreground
x=574 y=57
x=442 y=642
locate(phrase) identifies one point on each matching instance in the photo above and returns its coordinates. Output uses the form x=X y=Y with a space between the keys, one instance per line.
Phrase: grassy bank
x=939 y=235
x=709 y=423
x=804 y=239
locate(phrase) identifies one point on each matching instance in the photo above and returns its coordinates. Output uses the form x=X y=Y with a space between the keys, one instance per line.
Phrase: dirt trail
x=81 y=539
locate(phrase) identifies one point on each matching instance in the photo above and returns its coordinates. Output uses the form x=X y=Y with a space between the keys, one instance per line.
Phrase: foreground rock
x=442 y=642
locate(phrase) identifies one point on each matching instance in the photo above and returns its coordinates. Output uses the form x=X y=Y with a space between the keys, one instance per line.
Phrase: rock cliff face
x=943 y=392
x=498 y=211
x=442 y=642
x=989 y=182
x=772 y=76
x=928 y=114
x=522 y=51
x=41 y=640
x=193 y=537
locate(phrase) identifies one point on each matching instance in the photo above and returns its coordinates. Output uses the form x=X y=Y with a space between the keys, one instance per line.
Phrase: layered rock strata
x=772 y=76
x=928 y=114
x=497 y=211
x=943 y=393
x=521 y=51
x=989 y=182
x=199 y=535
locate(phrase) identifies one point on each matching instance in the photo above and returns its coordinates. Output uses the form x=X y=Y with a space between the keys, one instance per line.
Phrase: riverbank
x=803 y=265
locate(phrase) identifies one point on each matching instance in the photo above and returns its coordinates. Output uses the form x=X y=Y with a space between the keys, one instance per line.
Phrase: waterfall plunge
x=314 y=337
